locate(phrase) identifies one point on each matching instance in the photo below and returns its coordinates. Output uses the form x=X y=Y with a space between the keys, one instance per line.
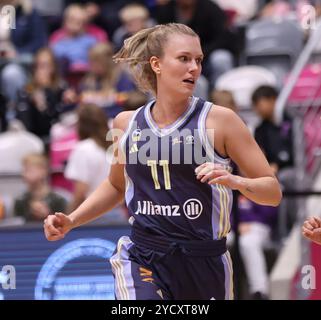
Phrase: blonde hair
x=75 y=7
x=103 y=54
x=36 y=159
x=133 y=11
x=224 y=98
x=139 y=48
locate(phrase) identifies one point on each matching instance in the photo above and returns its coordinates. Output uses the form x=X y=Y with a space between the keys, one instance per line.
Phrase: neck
x=168 y=109
x=39 y=190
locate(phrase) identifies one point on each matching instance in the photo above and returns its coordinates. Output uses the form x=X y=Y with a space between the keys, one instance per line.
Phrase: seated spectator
x=108 y=85
x=256 y=223
x=134 y=17
x=90 y=161
x=18 y=43
x=39 y=201
x=96 y=12
x=15 y=144
x=91 y=28
x=72 y=48
x=44 y=98
x=276 y=141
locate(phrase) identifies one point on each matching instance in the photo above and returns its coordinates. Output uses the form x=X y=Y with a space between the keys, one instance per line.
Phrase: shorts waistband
x=201 y=248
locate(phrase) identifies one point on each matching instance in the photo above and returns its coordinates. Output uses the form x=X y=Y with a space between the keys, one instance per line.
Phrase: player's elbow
x=277 y=195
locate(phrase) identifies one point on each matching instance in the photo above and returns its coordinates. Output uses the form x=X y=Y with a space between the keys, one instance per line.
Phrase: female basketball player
x=180 y=212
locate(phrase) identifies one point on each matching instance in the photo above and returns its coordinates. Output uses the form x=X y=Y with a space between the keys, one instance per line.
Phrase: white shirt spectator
x=15 y=144
x=88 y=163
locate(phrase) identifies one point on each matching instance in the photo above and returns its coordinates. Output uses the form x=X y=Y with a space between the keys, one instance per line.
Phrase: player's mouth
x=189 y=80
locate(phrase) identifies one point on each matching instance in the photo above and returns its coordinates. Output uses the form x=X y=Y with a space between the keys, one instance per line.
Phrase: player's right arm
x=107 y=195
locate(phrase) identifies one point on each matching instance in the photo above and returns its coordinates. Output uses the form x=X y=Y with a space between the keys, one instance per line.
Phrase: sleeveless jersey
x=163 y=195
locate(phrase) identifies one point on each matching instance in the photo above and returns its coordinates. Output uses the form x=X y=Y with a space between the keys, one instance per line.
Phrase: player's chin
x=188 y=89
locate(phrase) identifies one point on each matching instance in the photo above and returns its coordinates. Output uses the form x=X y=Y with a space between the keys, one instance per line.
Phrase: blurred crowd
x=60 y=91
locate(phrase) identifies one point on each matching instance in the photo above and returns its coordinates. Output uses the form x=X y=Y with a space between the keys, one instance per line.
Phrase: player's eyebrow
x=201 y=55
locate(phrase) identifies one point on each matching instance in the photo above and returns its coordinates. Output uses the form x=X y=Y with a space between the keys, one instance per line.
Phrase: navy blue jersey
x=162 y=193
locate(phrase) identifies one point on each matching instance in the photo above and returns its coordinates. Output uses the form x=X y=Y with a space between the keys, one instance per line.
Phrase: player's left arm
x=258 y=184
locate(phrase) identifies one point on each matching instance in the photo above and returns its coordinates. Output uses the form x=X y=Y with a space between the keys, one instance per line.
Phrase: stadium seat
x=273 y=44
x=242 y=82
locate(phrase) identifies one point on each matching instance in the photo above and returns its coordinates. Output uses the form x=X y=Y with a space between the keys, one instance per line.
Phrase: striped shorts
x=142 y=273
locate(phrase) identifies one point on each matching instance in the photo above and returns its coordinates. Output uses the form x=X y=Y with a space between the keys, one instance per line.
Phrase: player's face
x=181 y=64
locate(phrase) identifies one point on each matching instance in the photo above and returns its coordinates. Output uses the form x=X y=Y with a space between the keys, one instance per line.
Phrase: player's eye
x=183 y=58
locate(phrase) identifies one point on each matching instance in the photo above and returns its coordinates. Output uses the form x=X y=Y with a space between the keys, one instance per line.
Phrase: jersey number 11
x=153 y=166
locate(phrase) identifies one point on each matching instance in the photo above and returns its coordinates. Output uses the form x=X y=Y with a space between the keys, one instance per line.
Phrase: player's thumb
x=62 y=218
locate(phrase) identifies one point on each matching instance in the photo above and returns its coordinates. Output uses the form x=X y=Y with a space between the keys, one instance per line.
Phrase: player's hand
x=56 y=226
x=311 y=229
x=213 y=173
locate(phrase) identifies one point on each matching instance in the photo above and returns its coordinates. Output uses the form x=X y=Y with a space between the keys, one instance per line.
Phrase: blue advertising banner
x=76 y=267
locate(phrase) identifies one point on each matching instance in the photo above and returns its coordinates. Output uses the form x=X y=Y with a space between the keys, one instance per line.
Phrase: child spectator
x=134 y=17
x=39 y=201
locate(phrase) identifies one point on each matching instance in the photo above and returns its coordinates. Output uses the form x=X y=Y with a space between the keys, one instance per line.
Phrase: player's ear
x=154 y=63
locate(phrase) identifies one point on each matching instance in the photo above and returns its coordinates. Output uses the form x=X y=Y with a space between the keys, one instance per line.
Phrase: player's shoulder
x=221 y=113
x=121 y=121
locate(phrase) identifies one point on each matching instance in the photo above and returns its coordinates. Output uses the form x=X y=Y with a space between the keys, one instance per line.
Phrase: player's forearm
x=103 y=199
x=264 y=190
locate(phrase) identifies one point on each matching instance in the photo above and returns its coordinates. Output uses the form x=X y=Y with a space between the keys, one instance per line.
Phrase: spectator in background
x=109 y=85
x=73 y=47
x=19 y=43
x=15 y=144
x=89 y=163
x=275 y=140
x=42 y=100
x=39 y=201
x=209 y=21
x=91 y=10
x=277 y=143
x=256 y=225
x=101 y=13
x=134 y=17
